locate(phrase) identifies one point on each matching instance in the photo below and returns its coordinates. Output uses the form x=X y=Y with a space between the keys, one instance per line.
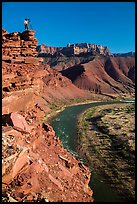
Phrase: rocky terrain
x=107 y=139
x=35 y=166
x=92 y=67
x=63 y=62
x=19 y=47
x=104 y=75
x=73 y=49
x=61 y=58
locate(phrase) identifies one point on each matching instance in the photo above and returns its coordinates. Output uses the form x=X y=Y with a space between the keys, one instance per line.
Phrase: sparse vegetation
x=107 y=139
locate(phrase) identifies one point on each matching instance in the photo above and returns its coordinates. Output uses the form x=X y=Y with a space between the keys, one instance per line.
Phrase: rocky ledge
x=20 y=47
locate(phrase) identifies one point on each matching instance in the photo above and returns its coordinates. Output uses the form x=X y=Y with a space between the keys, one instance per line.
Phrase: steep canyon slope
x=92 y=67
x=104 y=75
x=35 y=166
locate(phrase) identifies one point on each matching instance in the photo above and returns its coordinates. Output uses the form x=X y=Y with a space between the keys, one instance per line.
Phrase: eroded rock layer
x=74 y=49
x=20 y=47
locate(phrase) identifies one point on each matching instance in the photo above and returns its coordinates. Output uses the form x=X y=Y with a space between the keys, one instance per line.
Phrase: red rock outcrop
x=35 y=166
x=20 y=47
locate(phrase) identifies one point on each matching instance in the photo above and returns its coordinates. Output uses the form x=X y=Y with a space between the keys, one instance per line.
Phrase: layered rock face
x=48 y=49
x=35 y=166
x=19 y=47
x=74 y=49
x=79 y=48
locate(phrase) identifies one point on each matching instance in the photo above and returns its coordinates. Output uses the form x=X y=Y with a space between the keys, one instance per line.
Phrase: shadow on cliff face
x=73 y=72
x=131 y=73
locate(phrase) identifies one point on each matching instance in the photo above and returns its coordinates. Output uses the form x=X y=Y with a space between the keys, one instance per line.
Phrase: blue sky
x=110 y=24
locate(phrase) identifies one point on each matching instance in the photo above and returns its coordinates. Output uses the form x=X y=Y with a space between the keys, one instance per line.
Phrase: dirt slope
x=104 y=75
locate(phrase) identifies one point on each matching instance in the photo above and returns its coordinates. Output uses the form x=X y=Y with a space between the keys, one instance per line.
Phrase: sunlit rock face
x=75 y=49
x=20 y=47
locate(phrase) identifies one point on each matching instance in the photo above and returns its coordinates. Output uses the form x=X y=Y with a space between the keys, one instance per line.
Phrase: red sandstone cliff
x=20 y=47
x=35 y=166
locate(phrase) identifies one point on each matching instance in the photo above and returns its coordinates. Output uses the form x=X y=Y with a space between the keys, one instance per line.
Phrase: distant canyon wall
x=74 y=49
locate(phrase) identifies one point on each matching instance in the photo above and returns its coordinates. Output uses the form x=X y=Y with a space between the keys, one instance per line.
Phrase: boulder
x=20 y=122
x=21 y=161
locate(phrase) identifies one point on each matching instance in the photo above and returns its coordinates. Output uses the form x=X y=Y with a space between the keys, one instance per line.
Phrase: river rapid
x=65 y=126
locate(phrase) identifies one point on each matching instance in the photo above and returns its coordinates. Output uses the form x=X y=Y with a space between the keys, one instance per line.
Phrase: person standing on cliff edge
x=26 y=23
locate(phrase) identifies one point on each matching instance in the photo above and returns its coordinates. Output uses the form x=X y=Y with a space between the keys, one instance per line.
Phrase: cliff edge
x=35 y=166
